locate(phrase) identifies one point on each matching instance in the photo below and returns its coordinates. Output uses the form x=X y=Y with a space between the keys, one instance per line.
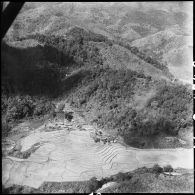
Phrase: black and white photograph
x=97 y=97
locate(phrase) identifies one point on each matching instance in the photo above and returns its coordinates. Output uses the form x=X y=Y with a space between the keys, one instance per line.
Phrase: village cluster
x=98 y=136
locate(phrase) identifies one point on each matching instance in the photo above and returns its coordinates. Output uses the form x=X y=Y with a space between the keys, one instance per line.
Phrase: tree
x=168 y=168
x=94 y=184
x=157 y=169
x=123 y=176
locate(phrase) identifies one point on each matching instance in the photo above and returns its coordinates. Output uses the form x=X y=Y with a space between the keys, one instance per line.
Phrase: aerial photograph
x=96 y=97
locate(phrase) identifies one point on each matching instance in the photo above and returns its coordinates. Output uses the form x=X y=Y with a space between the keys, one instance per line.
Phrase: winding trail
x=74 y=156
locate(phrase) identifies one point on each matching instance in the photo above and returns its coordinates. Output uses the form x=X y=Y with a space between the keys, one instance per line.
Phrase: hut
x=60 y=117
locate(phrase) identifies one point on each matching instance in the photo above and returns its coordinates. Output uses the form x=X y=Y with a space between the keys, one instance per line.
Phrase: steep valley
x=120 y=70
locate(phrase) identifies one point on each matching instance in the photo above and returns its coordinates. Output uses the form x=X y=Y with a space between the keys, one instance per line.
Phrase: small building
x=68 y=115
x=96 y=139
x=98 y=132
x=60 y=117
x=154 y=104
x=182 y=141
x=170 y=139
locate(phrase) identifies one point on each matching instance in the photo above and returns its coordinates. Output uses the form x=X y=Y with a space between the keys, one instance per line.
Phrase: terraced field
x=68 y=153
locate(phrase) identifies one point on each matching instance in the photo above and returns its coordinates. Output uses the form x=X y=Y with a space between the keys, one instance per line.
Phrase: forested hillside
x=96 y=97
x=133 y=100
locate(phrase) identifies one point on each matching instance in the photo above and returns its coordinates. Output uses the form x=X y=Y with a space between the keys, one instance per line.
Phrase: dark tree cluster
x=20 y=107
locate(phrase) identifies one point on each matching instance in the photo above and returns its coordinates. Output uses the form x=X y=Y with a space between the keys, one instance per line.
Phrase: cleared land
x=67 y=153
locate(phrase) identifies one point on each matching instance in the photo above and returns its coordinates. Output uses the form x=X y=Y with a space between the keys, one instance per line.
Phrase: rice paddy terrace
x=66 y=152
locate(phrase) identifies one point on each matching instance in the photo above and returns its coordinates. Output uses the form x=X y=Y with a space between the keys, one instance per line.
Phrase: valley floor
x=56 y=152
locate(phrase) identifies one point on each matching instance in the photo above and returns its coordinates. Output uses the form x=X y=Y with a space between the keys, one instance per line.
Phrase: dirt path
x=67 y=153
